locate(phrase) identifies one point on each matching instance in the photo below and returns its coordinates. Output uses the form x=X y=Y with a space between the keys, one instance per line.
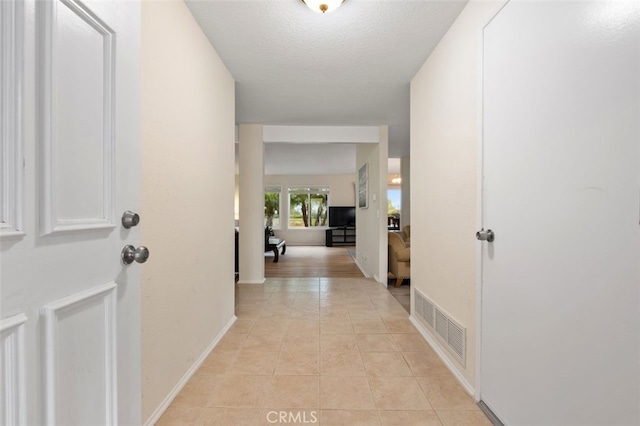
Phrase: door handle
x=130 y=219
x=487 y=235
x=131 y=254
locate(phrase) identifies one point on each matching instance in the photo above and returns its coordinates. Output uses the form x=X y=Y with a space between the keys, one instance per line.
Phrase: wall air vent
x=423 y=308
x=451 y=333
x=441 y=324
x=418 y=305
x=429 y=311
x=456 y=339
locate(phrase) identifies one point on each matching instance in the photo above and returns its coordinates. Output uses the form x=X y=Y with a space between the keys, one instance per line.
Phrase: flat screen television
x=342 y=216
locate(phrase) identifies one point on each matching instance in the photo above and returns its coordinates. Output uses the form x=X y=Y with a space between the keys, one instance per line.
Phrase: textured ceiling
x=350 y=67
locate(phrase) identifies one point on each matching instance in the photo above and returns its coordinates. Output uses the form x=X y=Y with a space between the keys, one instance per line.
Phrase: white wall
x=405 y=173
x=251 y=194
x=187 y=111
x=342 y=194
x=444 y=138
x=371 y=223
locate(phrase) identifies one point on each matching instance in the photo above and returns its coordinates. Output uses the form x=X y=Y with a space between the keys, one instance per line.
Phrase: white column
x=251 y=238
x=405 y=204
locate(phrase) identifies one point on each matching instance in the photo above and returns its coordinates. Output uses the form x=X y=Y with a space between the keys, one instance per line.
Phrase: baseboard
x=258 y=282
x=183 y=381
x=438 y=350
x=495 y=421
x=361 y=269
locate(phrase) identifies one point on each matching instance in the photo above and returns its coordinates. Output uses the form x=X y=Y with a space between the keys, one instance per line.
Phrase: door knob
x=130 y=253
x=487 y=235
x=130 y=219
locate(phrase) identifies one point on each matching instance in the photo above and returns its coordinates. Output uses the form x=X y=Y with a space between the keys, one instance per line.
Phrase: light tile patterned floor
x=322 y=351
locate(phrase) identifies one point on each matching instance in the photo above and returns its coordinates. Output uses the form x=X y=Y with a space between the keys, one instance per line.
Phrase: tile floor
x=402 y=294
x=322 y=351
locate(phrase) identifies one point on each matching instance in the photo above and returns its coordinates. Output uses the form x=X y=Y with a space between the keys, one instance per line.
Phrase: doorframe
x=479 y=197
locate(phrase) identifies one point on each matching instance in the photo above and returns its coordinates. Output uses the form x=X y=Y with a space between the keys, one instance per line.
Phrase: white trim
x=64 y=226
x=479 y=185
x=364 y=272
x=157 y=413
x=256 y=282
x=50 y=223
x=438 y=350
x=13 y=369
x=7 y=232
x=11 y=118
x=49 y=313
x=12 y=322
x=479 y=200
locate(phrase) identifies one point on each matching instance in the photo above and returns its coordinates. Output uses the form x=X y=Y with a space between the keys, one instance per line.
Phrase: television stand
x=340 y=236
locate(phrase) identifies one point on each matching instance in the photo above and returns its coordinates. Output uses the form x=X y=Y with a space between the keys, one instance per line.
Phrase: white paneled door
x=70 y=314
x=561 y=176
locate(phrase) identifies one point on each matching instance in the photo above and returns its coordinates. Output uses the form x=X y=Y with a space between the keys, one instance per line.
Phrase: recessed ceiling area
x=349 y=67
x=393 y=166
x=313 y=159
x=309 y=159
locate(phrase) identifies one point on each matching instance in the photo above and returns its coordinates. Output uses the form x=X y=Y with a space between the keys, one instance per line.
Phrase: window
x=394 y=197
x=272 y=206
x=308 y=207
x=393 y=207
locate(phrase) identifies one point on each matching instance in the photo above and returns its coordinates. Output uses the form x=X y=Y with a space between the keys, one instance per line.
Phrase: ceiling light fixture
x=323 y=6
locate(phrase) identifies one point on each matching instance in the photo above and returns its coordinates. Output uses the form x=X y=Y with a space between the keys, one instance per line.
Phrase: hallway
x=329 y=351
x=313 y=261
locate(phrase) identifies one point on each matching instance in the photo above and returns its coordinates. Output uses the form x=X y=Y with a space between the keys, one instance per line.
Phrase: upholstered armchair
x=407 y=232
x=399 y=258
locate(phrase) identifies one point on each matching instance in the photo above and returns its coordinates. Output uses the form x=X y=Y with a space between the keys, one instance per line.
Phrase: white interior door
x=561 y=164
x=70 y=329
